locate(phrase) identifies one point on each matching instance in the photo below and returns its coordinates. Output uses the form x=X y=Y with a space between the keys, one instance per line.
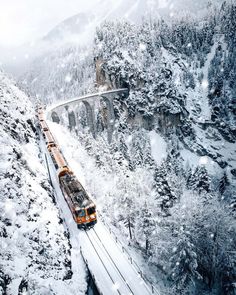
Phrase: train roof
x=77 y=193
x=58 y=157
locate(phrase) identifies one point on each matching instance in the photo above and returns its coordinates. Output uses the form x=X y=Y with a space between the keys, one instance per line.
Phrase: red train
x=81 y=206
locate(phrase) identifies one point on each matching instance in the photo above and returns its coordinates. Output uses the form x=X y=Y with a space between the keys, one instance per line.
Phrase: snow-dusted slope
x=35 y=252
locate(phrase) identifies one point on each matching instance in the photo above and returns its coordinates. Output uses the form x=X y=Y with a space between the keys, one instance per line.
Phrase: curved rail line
x=71 y=100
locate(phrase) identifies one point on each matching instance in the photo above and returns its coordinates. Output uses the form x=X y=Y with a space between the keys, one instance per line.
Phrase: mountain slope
x=35 y=251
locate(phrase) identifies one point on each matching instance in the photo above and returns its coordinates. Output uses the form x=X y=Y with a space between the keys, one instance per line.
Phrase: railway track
x=97 y=243
x=124 y=277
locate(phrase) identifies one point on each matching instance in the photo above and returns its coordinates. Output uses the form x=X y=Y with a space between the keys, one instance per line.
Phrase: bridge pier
x=72 y=120
x=90 y=118
x=110 y=117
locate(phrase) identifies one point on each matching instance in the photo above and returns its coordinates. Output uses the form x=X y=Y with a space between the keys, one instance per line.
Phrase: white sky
x=25 y=20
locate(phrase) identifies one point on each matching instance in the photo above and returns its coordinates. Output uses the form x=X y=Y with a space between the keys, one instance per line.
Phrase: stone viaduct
x=69 y=110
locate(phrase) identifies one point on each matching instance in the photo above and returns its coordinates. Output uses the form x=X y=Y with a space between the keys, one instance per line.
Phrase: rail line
x=95 y=244
x=101 y=260
x=94 y=95
x=113 y=262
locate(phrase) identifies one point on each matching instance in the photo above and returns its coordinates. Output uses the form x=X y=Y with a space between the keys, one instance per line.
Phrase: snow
x=142 y=46
x=203 y=160
x=202 y=98
x=205 y=84
x=108 y=248
x=158 y=147
x=125 y=183
x=192 y=160
x=224 y=149
x=68 y=78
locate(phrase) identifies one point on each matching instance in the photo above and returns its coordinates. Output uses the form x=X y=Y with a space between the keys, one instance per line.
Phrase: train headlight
x=87 y=217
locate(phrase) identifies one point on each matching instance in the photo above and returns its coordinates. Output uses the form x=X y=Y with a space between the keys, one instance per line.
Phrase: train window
x=80 y=213
x=91 y=210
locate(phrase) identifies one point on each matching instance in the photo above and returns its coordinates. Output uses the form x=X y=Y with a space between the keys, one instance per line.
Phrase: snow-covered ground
x=203 y=87
x=158 y=147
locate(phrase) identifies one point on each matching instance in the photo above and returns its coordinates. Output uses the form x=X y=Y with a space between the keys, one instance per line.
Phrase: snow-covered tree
x=199 y=180
x=164 y=195
x=195 y=243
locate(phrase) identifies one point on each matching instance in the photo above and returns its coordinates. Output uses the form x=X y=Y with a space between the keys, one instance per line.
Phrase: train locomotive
x=81 y=206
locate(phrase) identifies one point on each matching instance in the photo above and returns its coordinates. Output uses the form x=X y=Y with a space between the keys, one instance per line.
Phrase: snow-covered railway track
x=93 y=233
x=125 y=278
x=100 y=258
x=119 y=281
x=105 y=274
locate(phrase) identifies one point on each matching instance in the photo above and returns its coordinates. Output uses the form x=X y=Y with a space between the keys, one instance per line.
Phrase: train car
x=50 y=141
x=82 y=207
x=39 y=111
x=44 y=125
x=40 y=117
x=58 y=160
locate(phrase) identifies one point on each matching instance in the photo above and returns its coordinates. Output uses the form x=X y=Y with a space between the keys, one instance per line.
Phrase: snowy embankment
x=35 y=251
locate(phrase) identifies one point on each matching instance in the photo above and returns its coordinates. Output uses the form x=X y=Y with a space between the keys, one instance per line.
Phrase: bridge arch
x=55 y=117
x=71 y=116
x=72 y=113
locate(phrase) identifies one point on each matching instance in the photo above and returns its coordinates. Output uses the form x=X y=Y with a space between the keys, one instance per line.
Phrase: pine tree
x=123 y=147
x=164 y=195
x=137 y=153
x=183 y=261
x=145 y=228
x=224 y=182
x=199 y=180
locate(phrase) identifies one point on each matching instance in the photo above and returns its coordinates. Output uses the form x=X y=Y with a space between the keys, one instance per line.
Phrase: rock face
x=176 y=86
x=35 y=251
x=101 y=79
